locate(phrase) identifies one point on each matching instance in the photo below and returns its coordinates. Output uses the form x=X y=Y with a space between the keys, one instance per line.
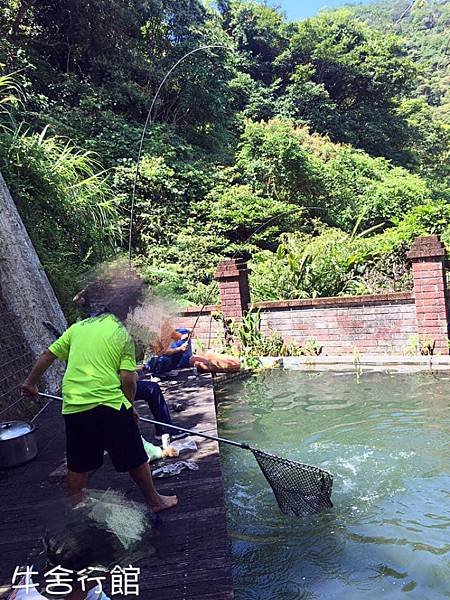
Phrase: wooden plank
x=193 y=558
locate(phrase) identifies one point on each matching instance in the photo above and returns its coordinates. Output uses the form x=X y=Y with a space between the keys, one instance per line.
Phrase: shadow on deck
x=193 y=558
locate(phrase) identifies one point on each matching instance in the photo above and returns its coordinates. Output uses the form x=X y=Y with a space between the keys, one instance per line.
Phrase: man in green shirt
x=98 y=390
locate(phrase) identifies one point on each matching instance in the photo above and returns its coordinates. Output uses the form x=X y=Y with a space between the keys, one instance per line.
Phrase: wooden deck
x=193 y=559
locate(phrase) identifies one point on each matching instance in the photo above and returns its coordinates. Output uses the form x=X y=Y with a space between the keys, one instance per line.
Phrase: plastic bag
x=184 y=446
x=153 y=452
x=174 y=468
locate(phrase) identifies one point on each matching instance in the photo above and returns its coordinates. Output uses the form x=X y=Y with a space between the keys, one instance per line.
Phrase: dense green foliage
x=318 y=149
x=424 y=27
x=62 y=196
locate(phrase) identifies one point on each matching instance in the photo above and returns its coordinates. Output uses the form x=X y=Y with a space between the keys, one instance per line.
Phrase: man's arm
x=129 y=387
x=171 y=351
x=128 y=384
x=30 y=385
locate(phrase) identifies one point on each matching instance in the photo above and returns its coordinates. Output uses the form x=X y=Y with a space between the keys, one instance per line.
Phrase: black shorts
x=91 y=432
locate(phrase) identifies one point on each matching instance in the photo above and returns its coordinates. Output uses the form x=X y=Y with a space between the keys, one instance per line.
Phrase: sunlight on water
x=385 y=437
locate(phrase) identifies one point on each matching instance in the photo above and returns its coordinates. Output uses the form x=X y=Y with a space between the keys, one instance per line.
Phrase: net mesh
x=104 y=530
x=300 y=489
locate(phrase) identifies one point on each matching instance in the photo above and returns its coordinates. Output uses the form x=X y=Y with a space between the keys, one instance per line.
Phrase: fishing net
x=104 y=530
x=300 y=489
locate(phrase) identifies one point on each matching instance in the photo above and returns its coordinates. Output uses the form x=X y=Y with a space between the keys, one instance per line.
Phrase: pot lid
x=10 y=430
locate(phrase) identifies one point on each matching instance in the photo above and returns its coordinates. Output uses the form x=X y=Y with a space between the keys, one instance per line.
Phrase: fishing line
x=148 y=121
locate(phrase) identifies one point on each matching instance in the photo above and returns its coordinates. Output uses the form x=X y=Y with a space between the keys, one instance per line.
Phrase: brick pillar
x=428 y=256
x=232 y=276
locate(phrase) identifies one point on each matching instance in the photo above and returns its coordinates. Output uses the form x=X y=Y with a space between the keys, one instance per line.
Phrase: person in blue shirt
x=174 y=356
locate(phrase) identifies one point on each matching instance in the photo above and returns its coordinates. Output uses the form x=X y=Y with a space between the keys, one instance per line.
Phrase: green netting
x=300 y=489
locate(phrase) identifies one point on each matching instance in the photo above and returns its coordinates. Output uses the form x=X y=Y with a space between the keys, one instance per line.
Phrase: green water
x=385 y=437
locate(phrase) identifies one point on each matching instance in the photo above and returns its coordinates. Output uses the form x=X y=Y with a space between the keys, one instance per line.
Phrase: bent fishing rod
x=148 y=121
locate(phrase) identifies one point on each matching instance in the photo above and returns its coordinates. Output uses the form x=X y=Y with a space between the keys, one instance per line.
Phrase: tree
x=275 y=160
x=429 y=140
x=260 y=34
x=247 y=219
x=355 y=74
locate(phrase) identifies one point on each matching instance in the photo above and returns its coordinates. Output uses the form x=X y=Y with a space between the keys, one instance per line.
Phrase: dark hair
x=117 y=290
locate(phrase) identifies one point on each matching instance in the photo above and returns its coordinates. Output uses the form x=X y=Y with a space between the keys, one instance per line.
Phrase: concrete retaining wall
x=26 y=301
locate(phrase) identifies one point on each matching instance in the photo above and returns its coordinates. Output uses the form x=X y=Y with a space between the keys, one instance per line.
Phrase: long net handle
x=175 y=427
x=50 y=397
x=203 y=435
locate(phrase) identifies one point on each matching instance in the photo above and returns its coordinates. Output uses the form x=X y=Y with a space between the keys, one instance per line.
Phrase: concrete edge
x=358 y=362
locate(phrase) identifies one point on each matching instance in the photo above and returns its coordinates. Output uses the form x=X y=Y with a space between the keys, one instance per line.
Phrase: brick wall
x=428 y=257
x=385 y=323
x=368 y=324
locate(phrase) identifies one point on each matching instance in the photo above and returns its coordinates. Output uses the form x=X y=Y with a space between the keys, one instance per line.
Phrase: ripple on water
x=385 y=439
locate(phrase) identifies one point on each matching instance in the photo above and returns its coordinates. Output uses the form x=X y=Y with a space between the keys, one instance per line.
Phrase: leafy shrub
x=332 y=262
x=253 y=343
x=372 y=188
x=62 y=195
x=274 y=158
x=64 y=200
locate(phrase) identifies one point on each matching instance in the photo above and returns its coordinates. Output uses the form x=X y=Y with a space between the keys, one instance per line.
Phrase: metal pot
x=17 y=443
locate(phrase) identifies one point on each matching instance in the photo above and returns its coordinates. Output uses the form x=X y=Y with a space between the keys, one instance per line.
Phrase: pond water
x=385 y=437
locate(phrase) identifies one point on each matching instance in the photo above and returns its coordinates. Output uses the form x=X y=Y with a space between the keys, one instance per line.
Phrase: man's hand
x=29 y=387
x=135 y=416
x=29 y=390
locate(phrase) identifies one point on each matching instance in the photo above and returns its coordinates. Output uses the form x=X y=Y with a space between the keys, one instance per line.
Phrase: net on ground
x=104 y=530
x=300 y=489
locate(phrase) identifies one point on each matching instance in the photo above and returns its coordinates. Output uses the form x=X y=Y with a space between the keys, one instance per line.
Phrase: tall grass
x=62 y=194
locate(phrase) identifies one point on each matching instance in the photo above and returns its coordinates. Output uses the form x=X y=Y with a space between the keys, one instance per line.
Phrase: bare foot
x=164 y=503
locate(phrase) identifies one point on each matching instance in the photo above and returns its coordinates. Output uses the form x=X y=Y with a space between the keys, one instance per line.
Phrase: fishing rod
x=148 y=121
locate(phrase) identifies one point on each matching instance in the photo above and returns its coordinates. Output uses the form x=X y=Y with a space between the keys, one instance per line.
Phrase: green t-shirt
x=95 y=349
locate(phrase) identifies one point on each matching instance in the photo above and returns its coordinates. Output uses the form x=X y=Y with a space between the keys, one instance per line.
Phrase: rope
x=13 y=359
x=15 y=387
x=46 y=405
x=10 y=349
x=26 y=366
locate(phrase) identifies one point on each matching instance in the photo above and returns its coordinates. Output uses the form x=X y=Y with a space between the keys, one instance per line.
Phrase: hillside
x=425 y=27
x=326 y=137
